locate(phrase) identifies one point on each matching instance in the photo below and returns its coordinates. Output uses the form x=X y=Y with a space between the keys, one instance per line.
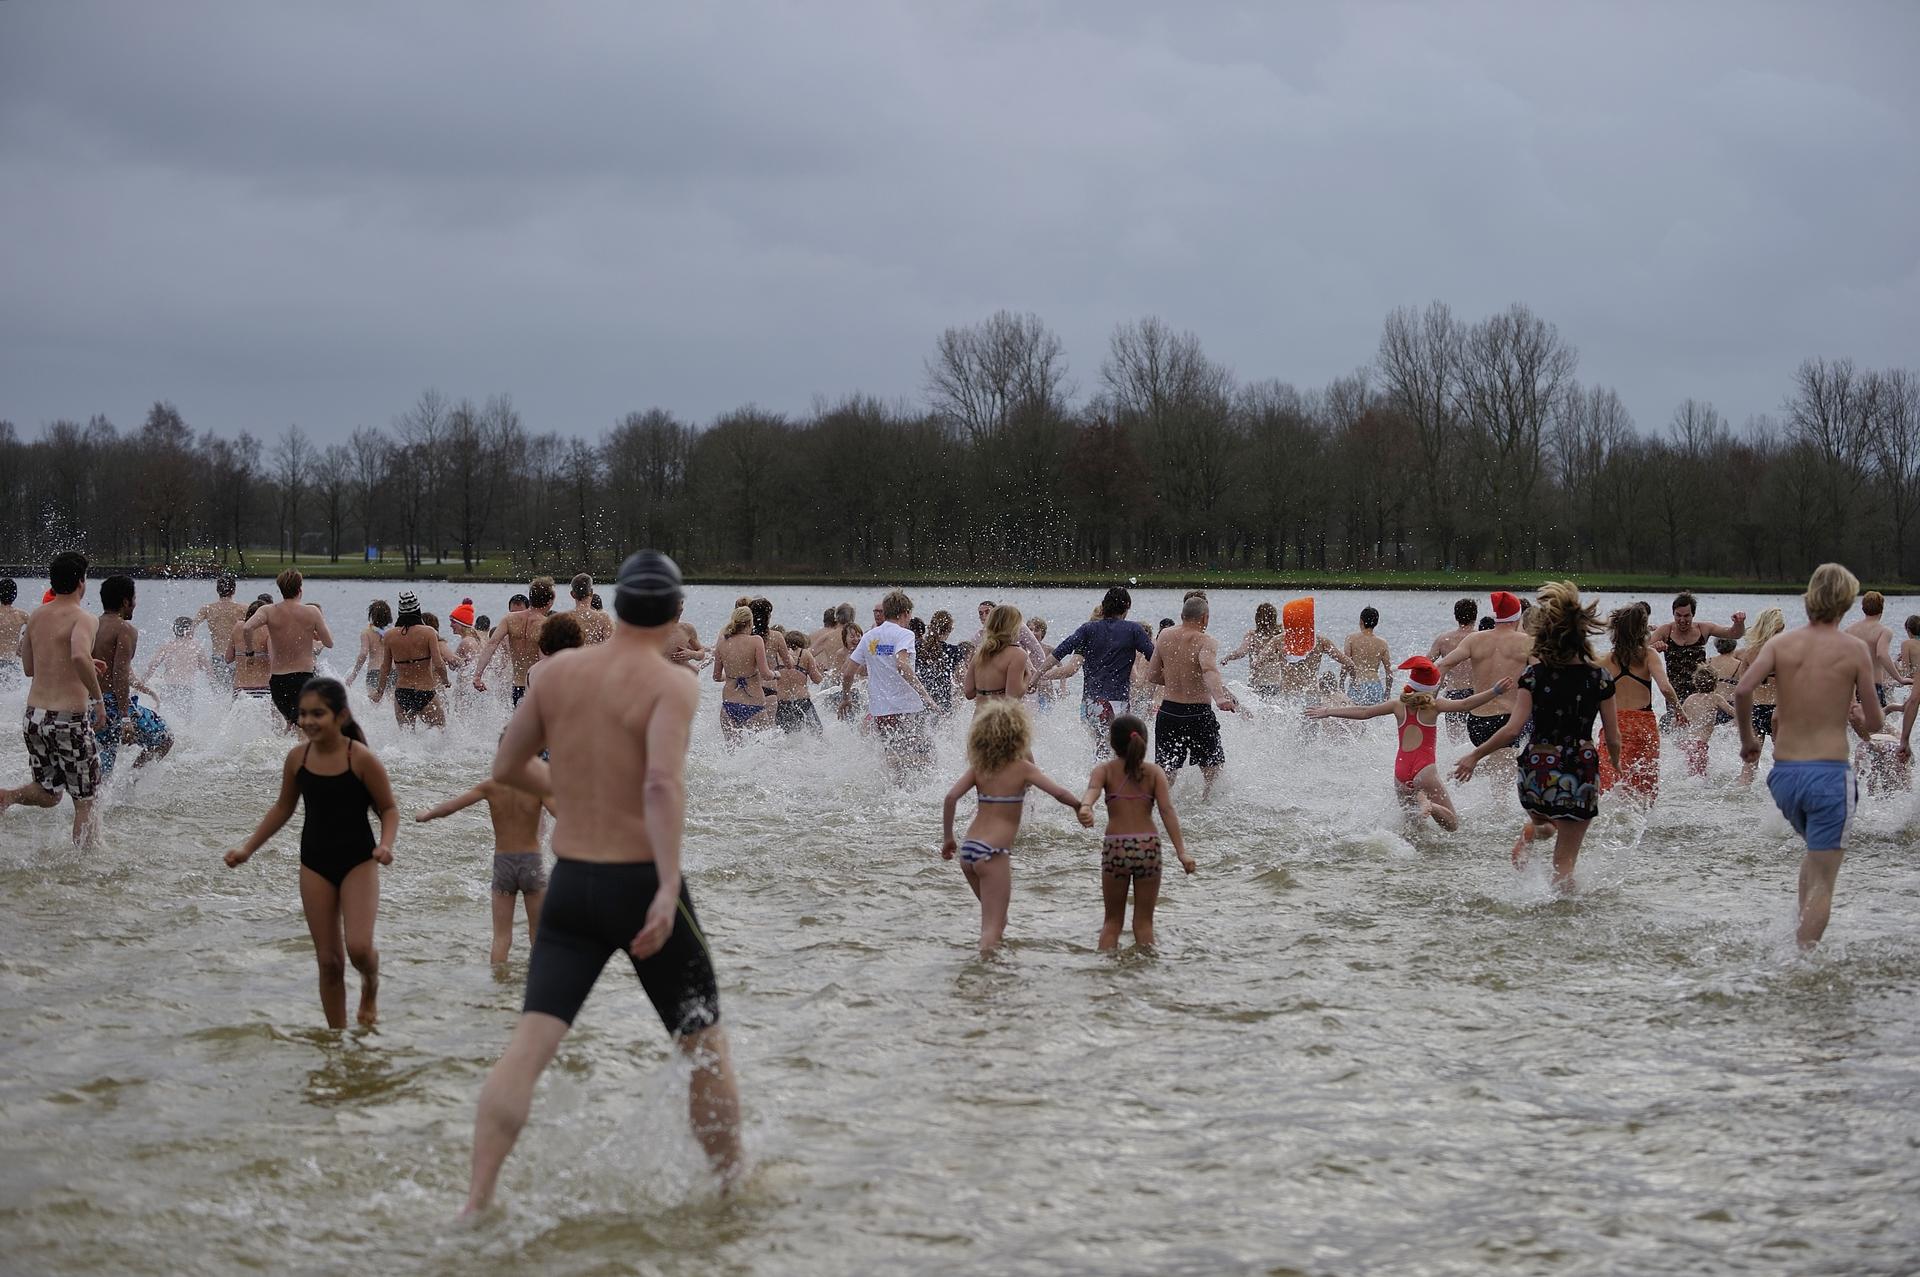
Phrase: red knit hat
x=1506 y=607
x=464 y=613
x=1422 y=674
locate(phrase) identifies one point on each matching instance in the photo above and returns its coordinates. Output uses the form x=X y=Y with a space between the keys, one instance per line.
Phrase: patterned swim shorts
x=62 y=751
x=1130 y=855
x=519 y=871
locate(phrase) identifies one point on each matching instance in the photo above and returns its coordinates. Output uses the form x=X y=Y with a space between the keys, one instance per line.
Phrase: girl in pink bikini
x=1416 y=779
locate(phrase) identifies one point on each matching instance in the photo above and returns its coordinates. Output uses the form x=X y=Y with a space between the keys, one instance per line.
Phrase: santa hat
x=1506 y=607
x=464 y=613
x=47 y=597
x=1422 y=674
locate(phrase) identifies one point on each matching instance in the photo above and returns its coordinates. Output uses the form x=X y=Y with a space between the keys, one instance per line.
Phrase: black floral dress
x=1560 y=770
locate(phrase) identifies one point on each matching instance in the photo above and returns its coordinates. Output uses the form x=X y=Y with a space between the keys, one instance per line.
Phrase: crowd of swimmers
x=1524 y=688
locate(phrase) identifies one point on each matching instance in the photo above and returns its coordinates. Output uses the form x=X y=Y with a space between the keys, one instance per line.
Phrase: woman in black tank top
x=338 y=780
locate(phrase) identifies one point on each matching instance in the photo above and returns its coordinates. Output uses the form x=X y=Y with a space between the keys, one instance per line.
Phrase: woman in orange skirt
x=1636 y=669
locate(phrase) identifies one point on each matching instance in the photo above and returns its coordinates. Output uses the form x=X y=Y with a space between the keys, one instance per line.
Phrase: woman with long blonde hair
x=1766 y=626
x=999 y=666
x=740 y=667
x=1560 y=693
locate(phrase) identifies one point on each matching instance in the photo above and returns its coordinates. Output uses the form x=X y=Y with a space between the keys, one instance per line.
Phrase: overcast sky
x=272 y=213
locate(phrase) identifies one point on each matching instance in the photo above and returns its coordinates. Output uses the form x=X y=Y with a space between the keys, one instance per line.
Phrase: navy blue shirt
x=1108 y=646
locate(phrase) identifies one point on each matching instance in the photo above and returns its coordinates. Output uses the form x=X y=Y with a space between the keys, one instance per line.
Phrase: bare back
x=1818 y=672
x=1877 y=637
x=1184 y=654
x=1368 y=652
x=1502 y=652
x=595 y=627
x=57 y=634
x=1458 y=677
x=292 y=629
x=13 y=623
x=221 y=616
x=414 y=649
x=516 y=818
x=523 y=641
x=114 y=642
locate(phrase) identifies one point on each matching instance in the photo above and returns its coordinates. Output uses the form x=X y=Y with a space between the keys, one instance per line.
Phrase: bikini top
x=1113 y=795
x=1020 y=797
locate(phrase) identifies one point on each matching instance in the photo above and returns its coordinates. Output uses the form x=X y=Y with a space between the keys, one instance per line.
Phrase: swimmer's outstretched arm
x=1466 y=705
x=960 y=787
x=447 y=808
x=1352 y=711
x=277 y=815
x=1083 y=808
x=486 y=657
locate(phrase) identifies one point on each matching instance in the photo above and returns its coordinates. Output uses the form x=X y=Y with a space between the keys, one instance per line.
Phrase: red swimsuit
x=1409 y=763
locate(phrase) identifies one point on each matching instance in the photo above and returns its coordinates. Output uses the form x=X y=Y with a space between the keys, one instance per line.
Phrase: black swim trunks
x=412 y=702
x=1482 y=728
x=594 y=911
x=285 y=690
x=1185 y=732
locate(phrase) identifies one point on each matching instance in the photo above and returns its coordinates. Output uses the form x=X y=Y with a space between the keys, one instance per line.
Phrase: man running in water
x=1820 y=675
x=1683 y=641
x=1107 y=648
x=220 y=616
x=115 y=641
x=63 y=700
x=293 y=626
x=1457 y=684
x=595 y=626
x=521 y=633
x=1186 y=661
x=618 y=787
x=1503 y=652
x=1879 y=640
x=895 y=697
x=13 y=622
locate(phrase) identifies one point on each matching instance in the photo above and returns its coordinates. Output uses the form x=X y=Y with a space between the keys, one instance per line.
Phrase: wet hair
x=939 y=625
x=540 y=592
x=1913 y=625
x=1195 y=608
x=9 y=591
x=289 y=582
x=1563 y=627
x=1000 y=736
x=379 y=615
x=1002 y=631
x=1486 y=623
x=115 y=592
x=1117 y=602
x=739 y=623
x=518 y=600
x=483 y=623
x=1724 y=646
x=842 y=615
x=1830 y=592
x=596 y=603
x=796 y=640
x=1705 y=680
x=182 y=626
x=582 y=586
x=224 y=585
x=1872 y=604
x=1128 y=737
x=1166 y=622
x=68 y=570
x=743 y=600
x=431 y=620
x=987 y=604
x=255 y=606
x=1465 y=612
x=333 y=694
x=559 y=633
x=1768 y=624
x=762 y=610
x=1686 y=601
x=1266 y=619
x=1627 y=627
x=895 y=605
x=827 y=617
x=1038 y=626
x=1369 y=617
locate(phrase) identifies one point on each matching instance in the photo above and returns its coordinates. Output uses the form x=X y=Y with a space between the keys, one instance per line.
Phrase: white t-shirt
x=887 y=691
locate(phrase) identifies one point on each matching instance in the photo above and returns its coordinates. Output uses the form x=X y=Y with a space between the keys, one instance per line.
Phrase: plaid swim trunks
x=62 y=751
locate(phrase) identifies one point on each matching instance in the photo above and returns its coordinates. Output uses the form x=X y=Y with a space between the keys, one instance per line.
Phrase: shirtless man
x=115 y=641
x=1503 y=652
x=1457 y=683
x=63 y=700
x=220 y=616
x=12 y=622
x=1879 y=640
x=1824 y=678
x=1683 y=642
x=293 y=626
x=179 y=665
x=595 y=626
x=1186 y=662
x=521 y=633
x=831 y=643
x=1367 y=679
x=618 y=785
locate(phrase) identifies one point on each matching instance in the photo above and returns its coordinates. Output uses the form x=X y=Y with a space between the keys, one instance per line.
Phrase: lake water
x=1354 y=1052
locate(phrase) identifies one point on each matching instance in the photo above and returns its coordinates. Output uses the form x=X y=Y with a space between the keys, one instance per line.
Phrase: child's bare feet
x=1520 y=846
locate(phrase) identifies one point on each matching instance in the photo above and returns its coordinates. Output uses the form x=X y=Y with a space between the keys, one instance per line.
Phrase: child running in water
x=1130 y=851
x=1703 y=710
x=1416 y=775
x=518 y=867
x=1001 y=768
x=337 y=779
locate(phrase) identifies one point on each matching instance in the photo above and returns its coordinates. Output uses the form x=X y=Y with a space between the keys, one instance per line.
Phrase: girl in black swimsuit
x=337 y=778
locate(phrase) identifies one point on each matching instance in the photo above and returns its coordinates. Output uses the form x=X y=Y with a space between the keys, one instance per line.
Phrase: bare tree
x=1514 y=368
x=292 y=460
x=371 y=457
x=1419 y=367
x=1893 y=415
x=422 y=431
x=980 y=377
x=1824 y=413
x=333 y=478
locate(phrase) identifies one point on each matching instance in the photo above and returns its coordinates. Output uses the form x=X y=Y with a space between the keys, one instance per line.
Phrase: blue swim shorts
x=1817 y=797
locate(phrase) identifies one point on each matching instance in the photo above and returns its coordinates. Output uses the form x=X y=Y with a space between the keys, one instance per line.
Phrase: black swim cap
x=647 y=591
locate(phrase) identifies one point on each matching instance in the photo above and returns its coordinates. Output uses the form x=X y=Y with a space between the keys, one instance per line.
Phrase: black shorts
x=285 y=690
x=1187 y=733
x=594 y=911
x=1763 y=720
x=797 y=715
x=1482 y=728
x=411 y=701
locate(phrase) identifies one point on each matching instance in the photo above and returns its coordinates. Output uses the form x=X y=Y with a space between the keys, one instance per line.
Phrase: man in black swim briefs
x=293 y=626
x=618 y=786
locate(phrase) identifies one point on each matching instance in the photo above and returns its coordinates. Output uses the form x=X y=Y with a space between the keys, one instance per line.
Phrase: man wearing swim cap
x=617 y=883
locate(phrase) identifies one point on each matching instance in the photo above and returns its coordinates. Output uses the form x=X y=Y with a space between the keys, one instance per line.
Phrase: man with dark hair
x=1107 y=649
x=520 y=631
x=1683 y=642
x=63 y=700
x=595 y=626
x=220 y=616
x=1457 y=681
x=115 y=641
x=13 y=622
x=293 y=626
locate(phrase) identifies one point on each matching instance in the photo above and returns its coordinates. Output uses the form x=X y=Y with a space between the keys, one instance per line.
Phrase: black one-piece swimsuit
x=336 y=838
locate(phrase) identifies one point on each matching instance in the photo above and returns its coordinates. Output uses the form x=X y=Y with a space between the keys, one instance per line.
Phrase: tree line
x=1463 y=444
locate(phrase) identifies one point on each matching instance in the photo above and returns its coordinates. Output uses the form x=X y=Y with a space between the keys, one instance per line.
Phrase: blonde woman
x=740 y=667
x=999 y=666
x=1766 y=626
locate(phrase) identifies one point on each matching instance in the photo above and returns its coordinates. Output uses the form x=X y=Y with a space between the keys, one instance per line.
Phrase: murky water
x=1355 y=1051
